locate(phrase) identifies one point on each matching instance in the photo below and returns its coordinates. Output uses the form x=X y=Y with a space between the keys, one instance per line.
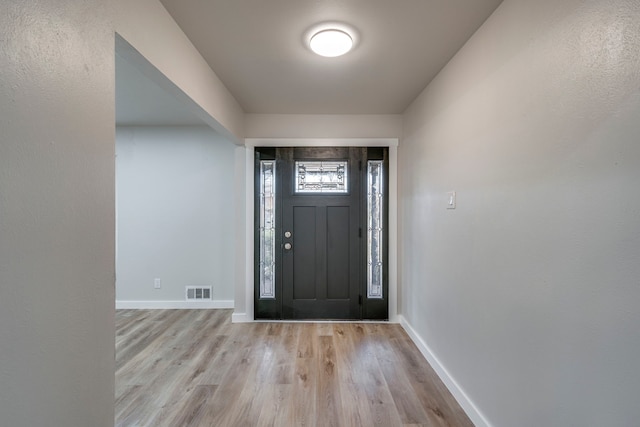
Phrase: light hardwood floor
x=195 y=368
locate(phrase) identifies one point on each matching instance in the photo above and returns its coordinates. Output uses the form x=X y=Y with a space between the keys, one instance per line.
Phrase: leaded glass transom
x=321 y=177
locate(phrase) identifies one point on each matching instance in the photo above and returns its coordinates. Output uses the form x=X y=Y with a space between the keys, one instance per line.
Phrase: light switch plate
x=451 y=200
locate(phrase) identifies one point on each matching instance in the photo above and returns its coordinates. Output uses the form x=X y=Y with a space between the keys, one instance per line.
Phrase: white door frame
x=244 y=282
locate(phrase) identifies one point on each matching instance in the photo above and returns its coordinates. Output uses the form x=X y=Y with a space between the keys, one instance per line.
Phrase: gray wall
x=175 y=212
x=56 y=214
x=528 y=291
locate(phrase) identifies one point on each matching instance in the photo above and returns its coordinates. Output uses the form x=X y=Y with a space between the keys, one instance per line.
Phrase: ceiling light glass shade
x=331 y=43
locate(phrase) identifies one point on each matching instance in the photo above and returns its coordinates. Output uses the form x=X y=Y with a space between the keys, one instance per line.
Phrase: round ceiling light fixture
x=331 y=42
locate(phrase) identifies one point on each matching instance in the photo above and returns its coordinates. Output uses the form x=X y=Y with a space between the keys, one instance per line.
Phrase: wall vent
x=198 y=293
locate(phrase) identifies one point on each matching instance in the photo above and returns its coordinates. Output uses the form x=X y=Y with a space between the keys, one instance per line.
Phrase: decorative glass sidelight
x=375 y=209
x=321 y=177
x=267 y=228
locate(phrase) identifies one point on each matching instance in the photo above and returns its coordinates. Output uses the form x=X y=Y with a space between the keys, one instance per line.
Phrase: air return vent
x=198 y=293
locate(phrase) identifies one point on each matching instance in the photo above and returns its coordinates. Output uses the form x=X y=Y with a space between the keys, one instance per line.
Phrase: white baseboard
x=158 y=305
x=467 y=405
x=241 y=318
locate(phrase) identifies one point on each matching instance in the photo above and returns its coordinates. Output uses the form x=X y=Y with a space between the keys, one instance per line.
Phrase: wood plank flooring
x=195 y=368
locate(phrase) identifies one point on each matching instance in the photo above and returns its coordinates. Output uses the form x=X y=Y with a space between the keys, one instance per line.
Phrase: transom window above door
x=321 y=177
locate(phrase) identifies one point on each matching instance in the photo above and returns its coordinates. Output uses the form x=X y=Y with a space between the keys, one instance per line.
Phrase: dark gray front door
x=321 y=259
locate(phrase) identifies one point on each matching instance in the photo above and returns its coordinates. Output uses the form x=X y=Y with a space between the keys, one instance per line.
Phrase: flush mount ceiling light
x=331 y=42
x=331 y=38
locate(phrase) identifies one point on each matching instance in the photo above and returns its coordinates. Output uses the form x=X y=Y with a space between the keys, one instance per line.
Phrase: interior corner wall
x=528 y=290
x=175 y=213
x=57 y=221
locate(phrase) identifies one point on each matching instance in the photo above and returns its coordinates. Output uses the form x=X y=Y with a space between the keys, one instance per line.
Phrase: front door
x=313 y=234
x=321 y=217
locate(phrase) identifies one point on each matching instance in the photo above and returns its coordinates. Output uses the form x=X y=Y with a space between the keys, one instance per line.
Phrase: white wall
x=56 y=214
x=323 y=125
x=175 y=213
x=528 y=291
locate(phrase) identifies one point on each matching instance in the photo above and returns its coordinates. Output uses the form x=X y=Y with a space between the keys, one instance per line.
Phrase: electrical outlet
x=157 y=283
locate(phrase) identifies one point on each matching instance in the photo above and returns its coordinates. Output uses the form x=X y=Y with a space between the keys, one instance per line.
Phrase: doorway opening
x=321 y=233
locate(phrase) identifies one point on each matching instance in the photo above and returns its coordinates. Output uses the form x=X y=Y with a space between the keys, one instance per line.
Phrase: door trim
x=245 y=282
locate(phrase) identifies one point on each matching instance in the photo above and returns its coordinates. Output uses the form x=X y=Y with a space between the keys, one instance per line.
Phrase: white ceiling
x=257 y=49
